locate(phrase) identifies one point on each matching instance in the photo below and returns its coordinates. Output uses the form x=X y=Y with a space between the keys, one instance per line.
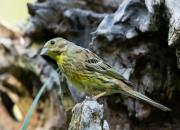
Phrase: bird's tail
x=126 y=90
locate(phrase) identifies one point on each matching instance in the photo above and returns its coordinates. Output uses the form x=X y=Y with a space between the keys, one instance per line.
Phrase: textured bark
x=88 y=115
x=54 y=17
x=174 y=23
x=133 y=41
x=22 y=72
x=131 y=19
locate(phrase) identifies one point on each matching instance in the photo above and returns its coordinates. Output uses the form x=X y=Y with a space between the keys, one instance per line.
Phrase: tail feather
x=124 y=89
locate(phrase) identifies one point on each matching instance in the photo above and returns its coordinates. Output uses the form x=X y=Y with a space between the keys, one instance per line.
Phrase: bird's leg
x=100 y=95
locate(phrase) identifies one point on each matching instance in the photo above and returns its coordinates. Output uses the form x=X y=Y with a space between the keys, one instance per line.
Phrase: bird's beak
x=44 y=51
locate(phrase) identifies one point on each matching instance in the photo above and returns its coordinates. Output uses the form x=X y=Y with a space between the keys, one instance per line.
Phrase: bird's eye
x=52 y=42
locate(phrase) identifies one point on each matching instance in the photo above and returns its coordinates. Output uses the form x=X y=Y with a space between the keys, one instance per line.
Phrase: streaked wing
x=95 y=63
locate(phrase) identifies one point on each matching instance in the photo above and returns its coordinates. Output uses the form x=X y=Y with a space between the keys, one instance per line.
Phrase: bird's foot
x=100 y=95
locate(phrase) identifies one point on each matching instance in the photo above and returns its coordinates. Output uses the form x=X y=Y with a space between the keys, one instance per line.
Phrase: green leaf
x=34 y=104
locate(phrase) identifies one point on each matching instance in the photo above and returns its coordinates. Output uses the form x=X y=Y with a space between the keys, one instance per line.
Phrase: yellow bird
x=88 y=72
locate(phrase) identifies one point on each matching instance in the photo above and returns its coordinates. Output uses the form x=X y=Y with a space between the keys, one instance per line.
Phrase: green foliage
x=34 y=104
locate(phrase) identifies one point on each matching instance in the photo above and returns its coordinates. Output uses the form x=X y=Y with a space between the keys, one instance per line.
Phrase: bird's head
x=54 y=48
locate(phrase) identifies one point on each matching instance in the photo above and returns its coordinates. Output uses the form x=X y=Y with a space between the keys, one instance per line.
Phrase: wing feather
x=95 y=63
